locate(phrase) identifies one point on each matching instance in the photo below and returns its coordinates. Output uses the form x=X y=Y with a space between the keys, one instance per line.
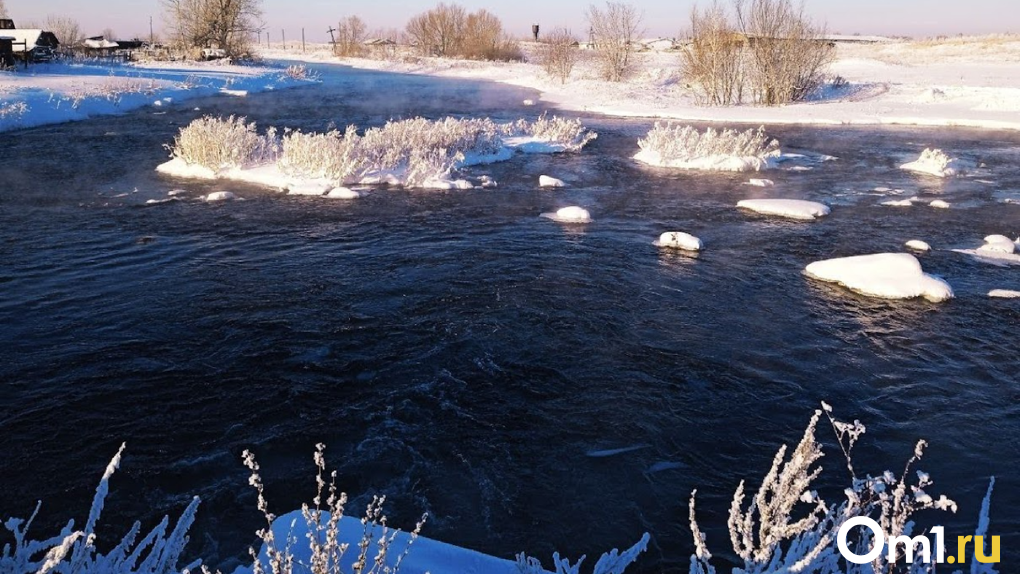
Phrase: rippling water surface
x=462 y=355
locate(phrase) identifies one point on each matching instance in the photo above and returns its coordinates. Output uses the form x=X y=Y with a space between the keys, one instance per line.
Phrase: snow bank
x=58 y=92
x=791 y=208
x=684 y=147
x=548 y=181
x=679 y=240
x=935 y=162
x=883 y=275
x=415 y=555
x=572 y=214
x=1004 y=294
x=308 y=189
x=997 y=250
x=918 y=245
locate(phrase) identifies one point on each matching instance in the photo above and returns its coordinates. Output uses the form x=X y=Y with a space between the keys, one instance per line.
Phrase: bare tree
x=3 y=10
x=350 y=37
x=66 y=29
x=559 y=54
x=226 y=24
x=485 y=39
x=109 y=34
x=614 y=30
x=439 y=31
x=713 y=58
x=787 y=51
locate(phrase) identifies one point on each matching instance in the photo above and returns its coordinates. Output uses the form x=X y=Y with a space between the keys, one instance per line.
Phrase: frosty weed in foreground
x=786 y=527
x=684 y=147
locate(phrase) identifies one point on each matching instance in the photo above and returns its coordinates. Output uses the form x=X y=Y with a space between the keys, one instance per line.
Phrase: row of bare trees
x=449 y=30
x=767 y=51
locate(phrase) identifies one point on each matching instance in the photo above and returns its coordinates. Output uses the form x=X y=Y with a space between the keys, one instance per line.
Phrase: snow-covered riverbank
x=959 y=82
x=61 y=92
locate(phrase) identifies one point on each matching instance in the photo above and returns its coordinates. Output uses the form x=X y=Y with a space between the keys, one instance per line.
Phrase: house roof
x=31 y=37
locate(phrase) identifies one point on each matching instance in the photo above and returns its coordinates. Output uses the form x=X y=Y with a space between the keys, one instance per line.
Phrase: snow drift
x=883 y=275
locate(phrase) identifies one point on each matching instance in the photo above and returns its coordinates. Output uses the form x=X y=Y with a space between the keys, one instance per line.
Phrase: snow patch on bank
x=882 y=275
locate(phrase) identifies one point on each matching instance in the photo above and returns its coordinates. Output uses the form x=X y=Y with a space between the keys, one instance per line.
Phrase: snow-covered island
x=413 y=153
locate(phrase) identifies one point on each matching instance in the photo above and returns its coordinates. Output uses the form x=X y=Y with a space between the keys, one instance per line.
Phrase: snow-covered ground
x=958 y=82
x=61 y=92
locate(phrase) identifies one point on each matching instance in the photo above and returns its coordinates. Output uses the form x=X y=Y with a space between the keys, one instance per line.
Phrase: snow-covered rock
x=679 y=240
x=176 y=192
x=883 y=275
x=791 y=208
x=221 y=196
x=935 y=162
x=901 y=202
x=1004 y=294
x=547 y=181
x=487 y=181
x=940 y=204
x=572 y=214
x=308 y=189
x=342 y=193
x=761 y=182
x=999 y=243
x=918 y=245
x=997 y=250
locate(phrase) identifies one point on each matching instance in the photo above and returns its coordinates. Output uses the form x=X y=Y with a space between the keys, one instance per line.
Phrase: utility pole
x=283 y=35
x=302 y=40
x=332 y=40
x=152 y=35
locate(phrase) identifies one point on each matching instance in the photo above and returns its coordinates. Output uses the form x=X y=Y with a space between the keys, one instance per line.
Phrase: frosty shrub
x=786 y=526
x=611 y=562
x=218 y=143
x=326 y=552
x=788 y=55
x=331 y=155
x=296 y=72
x=12 y=110
x=676 y=143
x=559 y=54
x=614 y=29
x=771 y=48
x=74 y=551
x=714 y=59
x=350 y=37
x=570 y=133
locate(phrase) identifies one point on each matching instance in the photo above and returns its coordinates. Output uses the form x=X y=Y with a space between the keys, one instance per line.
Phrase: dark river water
x=462 y=355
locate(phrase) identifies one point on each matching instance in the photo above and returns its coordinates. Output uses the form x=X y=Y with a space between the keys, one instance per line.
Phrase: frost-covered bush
x=570 y=133
x=786 y=526
x=331 y=155
x=218 y=143
x=74 y=551
x=684 y=146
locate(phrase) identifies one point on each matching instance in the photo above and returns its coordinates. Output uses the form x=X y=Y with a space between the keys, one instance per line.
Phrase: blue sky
x=661 y=17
